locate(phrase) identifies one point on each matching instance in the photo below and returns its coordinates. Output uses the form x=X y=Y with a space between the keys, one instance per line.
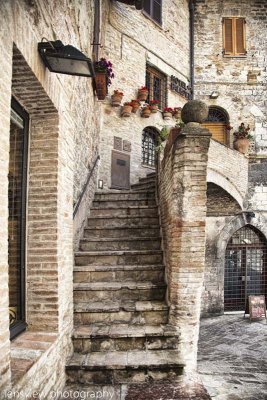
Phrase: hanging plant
x=103 y=76
x=136 y=105
x=126 y=110
x=116 y=98
x=167 y=113
x=142 y=93
x=154 y=105
x=146 y=111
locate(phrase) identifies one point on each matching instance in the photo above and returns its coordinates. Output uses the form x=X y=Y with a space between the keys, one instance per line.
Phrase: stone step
x=149 y=178
x=146 y=243
x=112 y=195
x=148 y=185
x=118 y=337
x=125 y=203
x=92 y=273
x=123 y=221
x=133 y=211
x=121 y=232
x=118 y=257
x=117 y=367
x=132 y=312
x=118 y=291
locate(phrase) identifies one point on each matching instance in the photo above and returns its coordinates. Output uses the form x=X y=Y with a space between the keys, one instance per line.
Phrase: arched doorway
x=217 y=123
x=149 y=144
x=245 y=268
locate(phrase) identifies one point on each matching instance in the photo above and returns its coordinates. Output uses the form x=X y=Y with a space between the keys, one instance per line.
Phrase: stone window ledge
x=26 y=350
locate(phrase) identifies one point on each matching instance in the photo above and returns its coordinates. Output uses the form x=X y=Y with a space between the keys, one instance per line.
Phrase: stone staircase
x=121 y=330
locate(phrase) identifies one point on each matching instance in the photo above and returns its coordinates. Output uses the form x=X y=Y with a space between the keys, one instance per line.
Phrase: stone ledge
x=26 y=350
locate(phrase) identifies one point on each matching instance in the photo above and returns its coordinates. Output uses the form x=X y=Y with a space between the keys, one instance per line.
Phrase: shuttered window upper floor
x=153 y=9
x=234 y=37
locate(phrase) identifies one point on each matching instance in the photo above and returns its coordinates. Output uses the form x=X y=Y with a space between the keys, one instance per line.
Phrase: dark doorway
x=245 y=268
x=17 y=194
x=120 y=170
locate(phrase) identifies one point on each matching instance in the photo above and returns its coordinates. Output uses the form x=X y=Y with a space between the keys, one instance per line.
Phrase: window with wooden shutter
x=234 y=37
x=156 y=82
x=153 y=8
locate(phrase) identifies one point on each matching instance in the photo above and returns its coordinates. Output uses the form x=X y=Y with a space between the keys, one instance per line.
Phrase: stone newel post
x=183 y=195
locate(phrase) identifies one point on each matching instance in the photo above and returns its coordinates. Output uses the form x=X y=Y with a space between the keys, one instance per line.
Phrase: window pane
x=228 y=36
x=157 y=11
x=147 y=7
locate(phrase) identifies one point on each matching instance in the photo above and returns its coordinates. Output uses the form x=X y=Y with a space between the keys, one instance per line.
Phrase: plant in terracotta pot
x=242 y=138
x=103 y=76
x=154 y=105
x=136 y=105
x=116 y=98
x=126 y=110
x=167 y=113
x=145 y=111
x=142 y=93
x=177 y=112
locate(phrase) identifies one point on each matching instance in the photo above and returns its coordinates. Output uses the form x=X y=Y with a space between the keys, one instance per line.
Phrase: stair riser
x=123 y=294
x=122 y=222
x=124 y=212
x=99 y=376
x=87 y=345
x=120 y=245
x=141 y=259
x=125 y=196
x=121 y=233
x=143 y=186
x=119 y=276
x=133 y=317
x=124 y=203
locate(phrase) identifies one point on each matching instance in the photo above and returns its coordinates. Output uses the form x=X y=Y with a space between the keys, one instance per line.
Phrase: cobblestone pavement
x=233 y=358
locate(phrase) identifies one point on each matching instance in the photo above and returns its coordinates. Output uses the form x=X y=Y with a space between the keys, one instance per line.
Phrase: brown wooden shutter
x=240 y=36
x=228 y=36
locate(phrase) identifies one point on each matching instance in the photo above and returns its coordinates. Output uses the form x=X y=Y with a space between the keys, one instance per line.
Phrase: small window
x=149 y=141
x=156 y=82
x=234 y=37
x=153 y=8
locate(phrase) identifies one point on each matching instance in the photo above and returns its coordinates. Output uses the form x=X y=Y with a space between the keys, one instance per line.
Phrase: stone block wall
x=244 y=101
x=131 y=41
x=63 y=140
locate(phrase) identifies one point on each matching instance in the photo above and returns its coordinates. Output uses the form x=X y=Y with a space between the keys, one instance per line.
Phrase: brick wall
x=131 y=40
x=182 y=199
x=229 y=76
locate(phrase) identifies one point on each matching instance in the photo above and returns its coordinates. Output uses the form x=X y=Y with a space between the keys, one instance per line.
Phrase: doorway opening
x=217 y=123
x=245 y=268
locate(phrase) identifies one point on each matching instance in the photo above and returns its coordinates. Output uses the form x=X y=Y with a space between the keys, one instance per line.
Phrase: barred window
x=156 y=82
x=149 y=141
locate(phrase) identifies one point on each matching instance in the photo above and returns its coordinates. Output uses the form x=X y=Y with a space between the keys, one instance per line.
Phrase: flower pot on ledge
x=101 y=86
x=241 y=145
x=126 y=110
x=142 y=94
x=145 y=113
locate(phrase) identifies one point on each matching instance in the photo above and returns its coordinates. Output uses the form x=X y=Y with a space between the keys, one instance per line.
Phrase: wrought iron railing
x=90 y=173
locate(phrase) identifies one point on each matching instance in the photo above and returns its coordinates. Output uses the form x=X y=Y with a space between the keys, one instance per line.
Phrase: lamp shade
x=65 y=59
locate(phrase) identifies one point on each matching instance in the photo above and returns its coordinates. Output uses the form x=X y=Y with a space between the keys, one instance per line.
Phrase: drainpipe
x=192 y=44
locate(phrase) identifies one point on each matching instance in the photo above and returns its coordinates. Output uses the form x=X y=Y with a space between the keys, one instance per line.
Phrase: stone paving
x=233 y=358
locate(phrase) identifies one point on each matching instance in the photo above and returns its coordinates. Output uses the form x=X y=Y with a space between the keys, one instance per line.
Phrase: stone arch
x=149 y=143
x=220 y=180
x=259 y=222
x=217 y=114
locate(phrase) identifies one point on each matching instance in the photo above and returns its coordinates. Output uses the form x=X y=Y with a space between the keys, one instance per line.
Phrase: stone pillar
x=183 y=196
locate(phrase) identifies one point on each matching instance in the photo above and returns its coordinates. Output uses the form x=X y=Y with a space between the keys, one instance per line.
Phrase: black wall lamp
x=65 y=59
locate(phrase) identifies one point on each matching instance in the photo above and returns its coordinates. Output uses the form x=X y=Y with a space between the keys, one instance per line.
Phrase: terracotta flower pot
x=154 y=108
x=142 y=94
x=145 y=113
x=101 y=85
x=126 y=111
x=136 y=106
x=167 y=115
x=116 y=100
x=241 y=145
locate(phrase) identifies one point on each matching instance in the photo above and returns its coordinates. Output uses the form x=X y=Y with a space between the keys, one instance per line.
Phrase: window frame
x=150 y=15
x=153 y=73
x=234 y=52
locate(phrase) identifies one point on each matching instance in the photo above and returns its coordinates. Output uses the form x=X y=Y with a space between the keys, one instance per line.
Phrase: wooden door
x=120 y=170
x=218 y=131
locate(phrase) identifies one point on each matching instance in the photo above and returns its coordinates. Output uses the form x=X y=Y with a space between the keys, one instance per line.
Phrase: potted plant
x=135 y=104
x=146 y=111
x=142 y=93
x=154 y=105
x=167 y=113
x=177 y=112
x=103 y=76
x=242 y=138
x=126 y=109
x=116 y=98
